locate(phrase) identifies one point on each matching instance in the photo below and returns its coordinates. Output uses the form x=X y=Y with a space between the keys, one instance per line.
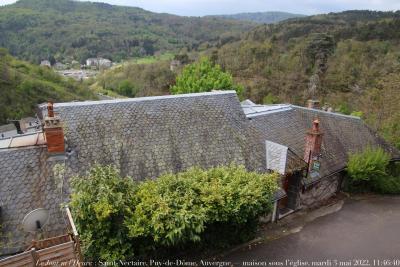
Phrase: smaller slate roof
x=252 y=110
x=288 y=125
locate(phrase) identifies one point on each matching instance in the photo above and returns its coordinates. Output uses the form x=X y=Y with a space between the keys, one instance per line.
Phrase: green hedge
x=122 y=219
x=370 y=171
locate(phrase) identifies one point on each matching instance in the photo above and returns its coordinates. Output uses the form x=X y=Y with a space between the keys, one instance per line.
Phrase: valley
x=135 y=136
x=349 y=61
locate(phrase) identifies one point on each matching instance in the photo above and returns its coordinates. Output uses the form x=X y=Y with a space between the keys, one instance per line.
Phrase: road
x=367 y=229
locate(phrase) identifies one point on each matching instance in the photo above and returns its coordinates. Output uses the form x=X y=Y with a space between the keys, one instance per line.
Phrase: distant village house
x=25 y=125
x=8 y=130
x=45 y=63
x=99 y=63
x=60 y=66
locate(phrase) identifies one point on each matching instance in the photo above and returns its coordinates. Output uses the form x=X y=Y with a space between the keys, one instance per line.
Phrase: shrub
x=120 y=218
x=127 y=88
x=369 y=171
x=357 y=114
x=270 y=99
x=178 y=208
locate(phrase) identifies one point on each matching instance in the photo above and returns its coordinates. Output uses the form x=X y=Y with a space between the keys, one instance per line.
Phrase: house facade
x=99 y=63
x=45 y=63
x=146 y=137
x=321 y=140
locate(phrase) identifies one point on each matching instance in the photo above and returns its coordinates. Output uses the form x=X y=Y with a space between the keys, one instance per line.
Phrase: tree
x=3 y=66
x=183 y=58
x=203 y=76
x=52 y=60
x=127 y=88
x=381 y=107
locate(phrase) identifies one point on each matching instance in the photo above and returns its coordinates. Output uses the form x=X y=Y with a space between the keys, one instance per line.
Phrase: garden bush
x=121 y=219
x=370 y=170
x=100 y=203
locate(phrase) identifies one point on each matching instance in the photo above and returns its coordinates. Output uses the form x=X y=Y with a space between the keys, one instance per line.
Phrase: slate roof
x=26 y=183
x=142 y=137
x=146 y=137
x=294 y=161
x=7 y=128
x=343 y=134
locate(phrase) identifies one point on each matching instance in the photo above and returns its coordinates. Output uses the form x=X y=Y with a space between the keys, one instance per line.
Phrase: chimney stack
x=311 y=103
x=53 y=131
x=313 y=143
x=50 y=109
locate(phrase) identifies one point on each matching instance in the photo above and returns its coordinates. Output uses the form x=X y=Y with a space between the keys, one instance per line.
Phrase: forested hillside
x=38 y=29
x=349 y=60
x=136 y=80
x=23 y=86
x=261 y=17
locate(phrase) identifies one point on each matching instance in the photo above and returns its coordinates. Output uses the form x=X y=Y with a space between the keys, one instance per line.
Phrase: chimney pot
x=315 y=127
x=313 y=142
x=50 y=109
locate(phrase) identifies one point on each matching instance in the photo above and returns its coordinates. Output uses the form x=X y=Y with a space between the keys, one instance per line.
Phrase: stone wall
x=320 y=191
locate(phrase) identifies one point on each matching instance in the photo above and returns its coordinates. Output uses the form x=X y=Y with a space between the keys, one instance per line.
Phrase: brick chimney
x=53 y=131
x=313 y=143
x=311 y=103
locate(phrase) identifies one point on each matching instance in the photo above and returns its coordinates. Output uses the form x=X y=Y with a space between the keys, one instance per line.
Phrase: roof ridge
x=326 y=112
x=256 y=114
x=140 y=99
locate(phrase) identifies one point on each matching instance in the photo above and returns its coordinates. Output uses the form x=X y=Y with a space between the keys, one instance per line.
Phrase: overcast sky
x=211 y=7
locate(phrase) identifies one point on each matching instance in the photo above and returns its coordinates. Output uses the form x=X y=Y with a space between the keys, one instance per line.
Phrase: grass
x=152 y=59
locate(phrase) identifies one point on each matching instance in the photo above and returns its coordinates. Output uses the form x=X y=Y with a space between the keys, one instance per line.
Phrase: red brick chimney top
x=315 y=126
x=313 y=142
x=53 y=131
